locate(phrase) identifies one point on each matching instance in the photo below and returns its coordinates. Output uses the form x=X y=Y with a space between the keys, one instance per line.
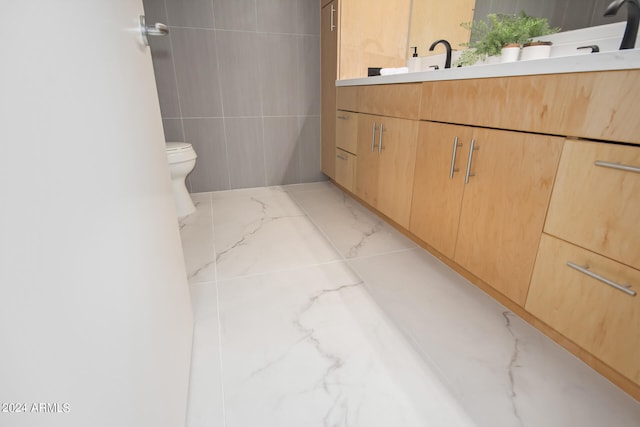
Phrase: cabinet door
x=347 y=131
x=598 y=207
x=329 y=72
x=368 y=159
x=439 y=184
x=597 y=317
x=397 y=148
x=373 y=34
x=504 y=207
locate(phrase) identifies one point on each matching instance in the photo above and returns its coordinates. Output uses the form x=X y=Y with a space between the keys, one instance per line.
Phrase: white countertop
x=602 y=61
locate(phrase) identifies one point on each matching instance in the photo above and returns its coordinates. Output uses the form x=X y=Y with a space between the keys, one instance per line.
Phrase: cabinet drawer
x=397 y=100
x=345 y=169
x=347 y=98
x=347 y=131
x=599 y=318
x=598 y=207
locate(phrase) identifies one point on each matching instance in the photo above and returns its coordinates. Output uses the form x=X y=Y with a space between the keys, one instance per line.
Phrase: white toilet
x=182 y=159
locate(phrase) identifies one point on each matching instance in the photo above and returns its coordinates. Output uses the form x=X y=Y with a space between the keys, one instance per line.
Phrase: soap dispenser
x=413 y=63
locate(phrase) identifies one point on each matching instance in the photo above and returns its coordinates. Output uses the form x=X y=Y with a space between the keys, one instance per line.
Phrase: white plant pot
x=510 y=54
x=535 y=52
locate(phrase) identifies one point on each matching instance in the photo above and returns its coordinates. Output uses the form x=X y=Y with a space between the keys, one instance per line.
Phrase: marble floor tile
x=310 y=311
x=206 y=400
x=258 y=233
x=354 y=230
x=502 y=370
x=307 y=347
x=196 y=232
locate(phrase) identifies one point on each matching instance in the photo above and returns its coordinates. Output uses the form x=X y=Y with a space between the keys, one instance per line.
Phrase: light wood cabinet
x=438 y=184
x=597 y=317
x=346 y=164
x=373 y=33
x=346 y=149
x=504 y=207
x=598 y=207
x=347 y=131
x=328 y=70
x=490 y=219
x=386 y=161
x=597 y=105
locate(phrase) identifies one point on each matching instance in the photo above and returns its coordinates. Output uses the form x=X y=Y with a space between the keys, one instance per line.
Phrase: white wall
x=94 y=304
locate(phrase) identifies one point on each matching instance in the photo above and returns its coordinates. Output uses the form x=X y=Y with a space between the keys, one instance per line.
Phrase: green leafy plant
x=488 y=37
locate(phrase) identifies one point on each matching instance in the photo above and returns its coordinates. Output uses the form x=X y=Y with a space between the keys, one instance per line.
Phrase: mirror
x=432 y=20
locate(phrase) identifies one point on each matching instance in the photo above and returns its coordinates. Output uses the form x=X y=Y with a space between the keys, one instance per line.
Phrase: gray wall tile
x=246 y=152
x=309 y=149
x=194 y=53
x=281 y=136
x=190 y=13
x=173 y=130
x=278 y=16
x=239 y=15
x=239 y=73
x=309 y=75
x=165 y=76
x=279 y=74
x=246 y=91
x=309 y=17
x=208 y=139
x=154 y=11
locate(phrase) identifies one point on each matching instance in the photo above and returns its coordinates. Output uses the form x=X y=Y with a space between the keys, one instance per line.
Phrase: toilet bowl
x=182 y=159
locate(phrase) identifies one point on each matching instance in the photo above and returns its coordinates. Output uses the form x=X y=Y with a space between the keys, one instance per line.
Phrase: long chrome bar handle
x=585 y=270
x=618 y=166
x=468 y=174
x=373 y=137
x=333 y=23
x=456 y=144
x=158 y=29
x=380 y=141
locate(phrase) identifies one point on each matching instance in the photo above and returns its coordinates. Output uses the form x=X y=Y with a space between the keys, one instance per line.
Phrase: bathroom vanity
x=526 y=182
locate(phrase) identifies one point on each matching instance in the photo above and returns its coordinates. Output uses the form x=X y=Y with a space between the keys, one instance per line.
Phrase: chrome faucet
x=633 y=17
x=447 y=62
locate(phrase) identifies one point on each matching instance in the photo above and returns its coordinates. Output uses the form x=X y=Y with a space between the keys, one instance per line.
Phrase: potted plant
x=489 y=37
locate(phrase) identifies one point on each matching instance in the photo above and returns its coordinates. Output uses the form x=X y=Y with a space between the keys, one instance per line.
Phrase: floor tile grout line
x=281 y=270
x=430 y=362
x=219 y=320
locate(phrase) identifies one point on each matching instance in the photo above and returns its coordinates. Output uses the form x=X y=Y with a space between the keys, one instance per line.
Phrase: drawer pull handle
x=618 y=166
x=342 y=157
x=471 y=149
x=373 y=137
x=456 y=144
x=343 y=118
x=332 y=25
x=585 y=270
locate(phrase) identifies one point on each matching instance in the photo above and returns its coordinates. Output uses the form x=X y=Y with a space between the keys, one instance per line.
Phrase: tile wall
x=240 y=80
x=566 y=14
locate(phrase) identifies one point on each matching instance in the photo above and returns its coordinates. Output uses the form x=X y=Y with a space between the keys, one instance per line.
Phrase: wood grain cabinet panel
x=386 y=162
x=346 y=164
x=598 y=207
x=329 y=73
x=347 y=131
x=504 y=207
x=596 y=105
x=438 y=184
x=597 y=317
x=398 y=100
x=477 y=102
